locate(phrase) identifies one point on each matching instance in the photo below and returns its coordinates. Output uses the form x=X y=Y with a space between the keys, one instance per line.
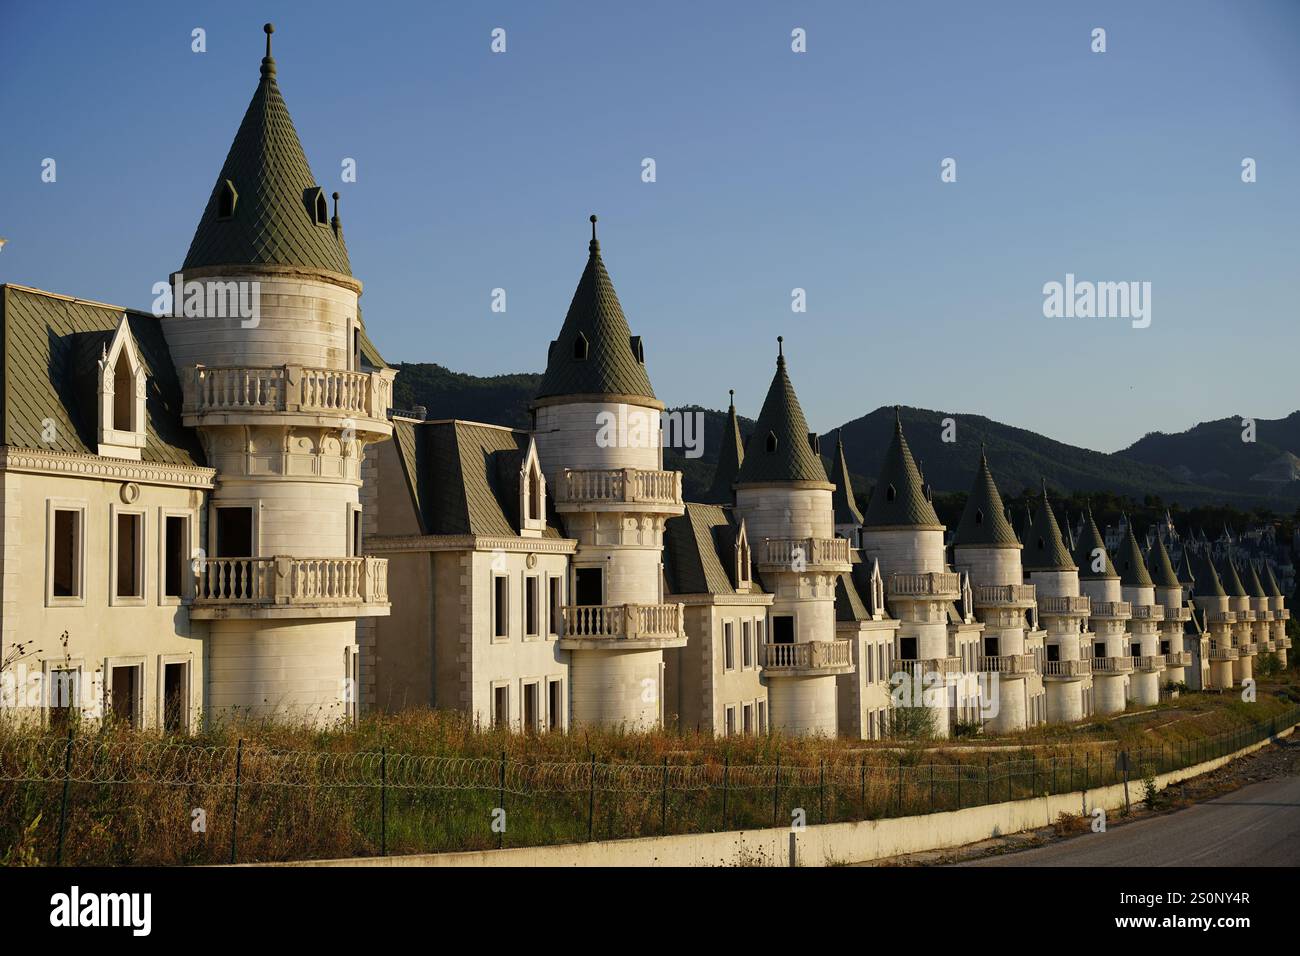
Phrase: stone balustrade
x=1178 y=659
x=1148 y=612
x=285 y=389
x=1149 y=663
x=580 y=487
x=936 y=584
x=1067 y=670
x=1005 y=595
x=806 y=656
x=797 y=554
x=1221 y=617
x=1112 y=610
x=943 y=666
x=1223 y=653
x=1181 y=614
x=1008 y=665
x=1284 y=643
x=283 y=583
x=623 y=622
x=1113 y=665
x=1064 y=606
x=1247 y=649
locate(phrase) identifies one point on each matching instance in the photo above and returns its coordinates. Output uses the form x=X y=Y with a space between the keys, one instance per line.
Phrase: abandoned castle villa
x=217 y=509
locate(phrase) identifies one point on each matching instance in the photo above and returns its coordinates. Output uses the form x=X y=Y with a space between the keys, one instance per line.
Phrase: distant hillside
x=1019 y=458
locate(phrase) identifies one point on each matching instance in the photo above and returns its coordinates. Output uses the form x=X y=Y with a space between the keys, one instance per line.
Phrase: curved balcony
x=622 y=626
x=290 y=587
x=1005 y=595
x=1064 y=606
x=1008 y=665
x=1283 y=615
x=1067 y=670
x=619 y=489
x=1221 y=617
x=804 y=554
x=937 y=585
x=1149 y=663
x=1284 y=643
x=1248 y=649
x=945 y=667
x=1111 y=666
x=1178 y=614
x=263 y=394
x=1148 y=612
x=1178 y=659
x=806 y=658
x=1111 y=610
x=1270 y=646
x=1223 y=654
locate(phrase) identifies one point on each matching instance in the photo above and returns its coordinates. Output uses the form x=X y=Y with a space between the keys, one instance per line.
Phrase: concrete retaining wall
x=824 y=845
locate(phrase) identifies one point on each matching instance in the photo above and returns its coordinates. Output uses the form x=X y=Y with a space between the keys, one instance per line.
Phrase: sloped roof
x=699 y=551
x=1132 y=568
x=1045 y=551
x=1186 y=576
x=1161 y=568
x=780 y=449
x=274 y=220
x=849 y=605
x=1271 y=582
x=730 y=457
x=1090 y=541
x=1253 y=585
x=984 y=521
x=899 y=498
x=1207 y=582
x=463 y=477
x=52 y=345
x=846 y=508
x=595 y=326
x=1231 y=580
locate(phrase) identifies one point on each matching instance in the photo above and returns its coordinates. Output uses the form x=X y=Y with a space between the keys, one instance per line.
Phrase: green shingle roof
x=1253 y=586
x=52 y=346
x=1207 y=582
x=699 y=551
x=1132 y=568
x=780 y=449
x=595 y=352
x=729 y=459
x=1231 y=580
x=1090 y=541
x=899 y=498
x=1161 y=568
x=274 y=220
x=846 y=508
x=1186 y=576
x=1045 y=551
x=984 y=521
x=1271 y=581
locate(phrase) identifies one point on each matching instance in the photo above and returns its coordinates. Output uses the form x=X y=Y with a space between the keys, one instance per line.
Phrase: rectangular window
x=501 y=706
x=130 y=556
x=1099 y=649
x=64 y=698
x=871 y=665
x=747 y=644
x=124 y=690
x=555 y=704
x=783 y=629
x=532 y=707
x=747 y=719
x=728 y=646
x=554 y=603
x=234 y=533
x=758 y=631
x=762 y=716
x=991 y=647
x=532 y=607
x=67 y=554
x=176 y=535
x=500 y=606
x=730 y=720
x=589 y=584
x=871 y=725
x=907 y=648
x=1053 y=652
x=356 y=532
x=176 y=683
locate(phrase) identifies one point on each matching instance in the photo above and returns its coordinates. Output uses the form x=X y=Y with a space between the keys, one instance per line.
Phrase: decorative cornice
x=752 y=599
x=44 y=462
x=403 y=544
x=271 y=271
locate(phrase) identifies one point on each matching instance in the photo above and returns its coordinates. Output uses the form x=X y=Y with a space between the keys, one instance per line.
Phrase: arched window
x=580 y=347
x=322 y=210
x=891 y=493
x=123 y=394
x=979 y=516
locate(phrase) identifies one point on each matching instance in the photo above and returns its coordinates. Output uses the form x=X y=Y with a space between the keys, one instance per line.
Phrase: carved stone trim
x=397 y=544
x=91 y=466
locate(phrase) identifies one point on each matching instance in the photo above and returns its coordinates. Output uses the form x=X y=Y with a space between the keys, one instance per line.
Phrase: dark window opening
x=907 y=648
x=771 y=441
x=64 y=699
x=128 y=556
x=1099 y=649
x=638 y=349
x=123 y=394
x=234 y=533
x=553 y=609
x=891 y=493
x=580 y=347
x=67 y=567
x=501 y=707
x=589 y=583
x=174 y=697
x=125 y=686
x=532 y=711
x=1053 y=652
x=555 y=705
x=174 y=556
x=532 y=607
x=322 y=210
x=979 y=516
x=501 y=606
x=783 y=629
x=226 y=200
x=991 y=647
x=356 y=533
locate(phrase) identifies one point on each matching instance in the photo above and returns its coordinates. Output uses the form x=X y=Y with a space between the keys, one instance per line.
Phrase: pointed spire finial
x=268 y=64
x=594 y=245
x=334 y=223
x=780 y=346
x=731 y=397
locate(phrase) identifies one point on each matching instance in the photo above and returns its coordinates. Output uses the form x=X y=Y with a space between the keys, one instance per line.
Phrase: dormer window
x=771 y=442
x=226 y=199
x=121 y=421
x=580 y=348
x=891 y=493
x=815 y=443
x=638 y=349
x=532 y=494
x=317 y=206
x=979 y=516
x=744 y=579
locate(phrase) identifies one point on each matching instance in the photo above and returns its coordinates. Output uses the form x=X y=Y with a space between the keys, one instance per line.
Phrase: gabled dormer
x=877 y=591
x=744 y=575
x=967 y=607
x=532 y=494
x=120 y=422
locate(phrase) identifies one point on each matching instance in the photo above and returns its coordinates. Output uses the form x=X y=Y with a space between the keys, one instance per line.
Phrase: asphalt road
x=1258 y=825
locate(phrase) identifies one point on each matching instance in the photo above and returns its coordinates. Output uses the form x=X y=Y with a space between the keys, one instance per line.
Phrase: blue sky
x=775 y=170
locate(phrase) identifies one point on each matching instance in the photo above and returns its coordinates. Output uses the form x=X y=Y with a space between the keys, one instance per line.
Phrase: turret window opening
x=891 y=493
x=771 y=442
x=123 y=394
x=226 y=199
x=322 y=210
x=979 y=516
x=580 y=347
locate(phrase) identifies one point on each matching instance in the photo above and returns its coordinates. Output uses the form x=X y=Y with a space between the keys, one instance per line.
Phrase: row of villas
x=206 y=514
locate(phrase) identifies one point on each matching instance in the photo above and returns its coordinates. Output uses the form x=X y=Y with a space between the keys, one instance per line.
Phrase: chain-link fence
x=87 y=800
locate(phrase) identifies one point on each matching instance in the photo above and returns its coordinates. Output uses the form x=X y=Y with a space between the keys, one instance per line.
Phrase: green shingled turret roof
x=1231 y=580
x=1208 y=583
x=266 y=207
x=1090 y=541
x=1161 y=568
x=899 y=499
x=596 y=352
x=1253 y=585
x=984 y=522
x=1186 y=576
x=1132 y=568
x=729 y=458
x=1026 y=532
x=781 y=448
x=1271 y=582
x=846 y=508
x=1045 y=551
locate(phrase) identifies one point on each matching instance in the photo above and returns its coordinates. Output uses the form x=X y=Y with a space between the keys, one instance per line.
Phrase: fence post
x=383 y=801
x=900 y=786
x=821 y=786
x=726 y=772
x=1071 y=771
x=1053 y=773
x=863 y=798
x=501 y=802
x=776 y=789
x=63 y=806
x=663 y=802
x=591 y=799
x=988 y=778
x=234 y=815
x=958 y=766
x=931 y=783
x=1127 y=805
x=1033 y=774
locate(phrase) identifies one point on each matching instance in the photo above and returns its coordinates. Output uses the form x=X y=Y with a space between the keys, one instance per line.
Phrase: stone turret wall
x=904 y=550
